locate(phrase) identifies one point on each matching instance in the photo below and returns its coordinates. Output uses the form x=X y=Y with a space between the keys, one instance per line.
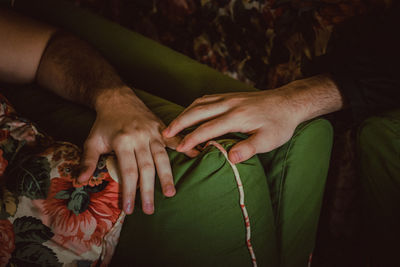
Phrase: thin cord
x=241 y=201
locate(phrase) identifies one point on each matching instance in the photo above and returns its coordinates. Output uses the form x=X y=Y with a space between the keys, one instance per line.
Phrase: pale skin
x=269 y=117
x=32 y=52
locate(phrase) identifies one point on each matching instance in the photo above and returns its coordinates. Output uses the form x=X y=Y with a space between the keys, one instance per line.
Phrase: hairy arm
x=314 y=96
x=269 y=117
x=71 y=68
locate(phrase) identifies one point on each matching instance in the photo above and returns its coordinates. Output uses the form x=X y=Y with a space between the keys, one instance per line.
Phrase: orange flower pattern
x=47 y=217
x=7 y=239
x=80 y=217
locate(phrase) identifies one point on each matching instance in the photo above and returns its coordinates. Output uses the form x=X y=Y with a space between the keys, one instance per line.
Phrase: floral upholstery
x=262 y=42
x=46 y=217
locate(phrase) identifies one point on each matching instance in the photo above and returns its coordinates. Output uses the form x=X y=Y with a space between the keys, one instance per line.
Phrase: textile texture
x=295 y=174
x=46 y=217
x=266 y=44
x=379 y=151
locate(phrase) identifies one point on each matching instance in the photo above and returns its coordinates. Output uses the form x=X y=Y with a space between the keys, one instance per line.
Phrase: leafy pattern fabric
x=47 y=218
x=266 y=43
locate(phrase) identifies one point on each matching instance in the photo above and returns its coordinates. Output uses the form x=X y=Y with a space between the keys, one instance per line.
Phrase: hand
x=268 y=116
x=126 y=126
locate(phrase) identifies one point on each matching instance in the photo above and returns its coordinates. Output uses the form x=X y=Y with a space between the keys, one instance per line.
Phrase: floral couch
x=46 y=217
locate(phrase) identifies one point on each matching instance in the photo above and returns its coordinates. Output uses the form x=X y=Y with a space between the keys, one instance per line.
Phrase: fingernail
x=170 y=190
x=129 y=207
x=148 y=207
x=82 y=178
x=235 y=157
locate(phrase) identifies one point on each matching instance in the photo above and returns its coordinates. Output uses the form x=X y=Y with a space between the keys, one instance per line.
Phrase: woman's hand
x=126 y=126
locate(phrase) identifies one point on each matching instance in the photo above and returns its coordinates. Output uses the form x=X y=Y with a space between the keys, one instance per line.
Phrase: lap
x=50 y=218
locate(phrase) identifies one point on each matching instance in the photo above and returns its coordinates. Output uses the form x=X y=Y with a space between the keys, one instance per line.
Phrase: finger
x=173 y=143
x=193 y=116
x=207 y=99
x=88 y=162
x=207 y=131
x=129 y=172
x=163 y=167
x=202 y=101
x=245 y=149
x=147 y=177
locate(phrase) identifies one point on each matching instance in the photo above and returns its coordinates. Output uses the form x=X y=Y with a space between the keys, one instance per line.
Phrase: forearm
x=22 y=42
x=74 y=70
x=313 y=97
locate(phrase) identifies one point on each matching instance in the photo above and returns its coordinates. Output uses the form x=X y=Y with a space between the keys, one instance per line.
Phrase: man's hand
x=269 y=117
x=127 y=127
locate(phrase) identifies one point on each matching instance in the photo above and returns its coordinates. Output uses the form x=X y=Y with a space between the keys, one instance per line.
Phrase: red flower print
x=7 y=241
x=3 y=163
x=79 y=231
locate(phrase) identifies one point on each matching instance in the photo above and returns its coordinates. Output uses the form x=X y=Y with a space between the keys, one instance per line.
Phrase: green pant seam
x=283 y=172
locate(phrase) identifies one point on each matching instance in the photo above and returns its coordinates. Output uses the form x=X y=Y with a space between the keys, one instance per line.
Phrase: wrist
x=114 y=98
x=313 y=97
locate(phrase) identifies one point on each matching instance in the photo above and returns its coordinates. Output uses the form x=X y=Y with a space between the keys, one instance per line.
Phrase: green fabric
x=178 y=78
x=203 y=224
x=204 y=218
x=379 y=154
x=296 y=172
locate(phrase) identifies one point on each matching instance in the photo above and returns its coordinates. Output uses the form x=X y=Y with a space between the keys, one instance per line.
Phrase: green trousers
x=379 y=154
x=295 y=173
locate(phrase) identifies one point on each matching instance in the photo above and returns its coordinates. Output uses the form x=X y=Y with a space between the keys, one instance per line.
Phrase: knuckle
x=146 y=168
x=251 y=148
x=155 y=124
x=131 y=171
x=142 y=134
x=121 y=139
x=176 y=123
x=147 y=192
x=89 y=143
x=193 y=139
x=159 y=153
x=165 y=177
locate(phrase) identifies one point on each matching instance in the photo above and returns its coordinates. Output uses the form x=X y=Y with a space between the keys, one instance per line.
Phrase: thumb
x=88 y=164
x=245 y=149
